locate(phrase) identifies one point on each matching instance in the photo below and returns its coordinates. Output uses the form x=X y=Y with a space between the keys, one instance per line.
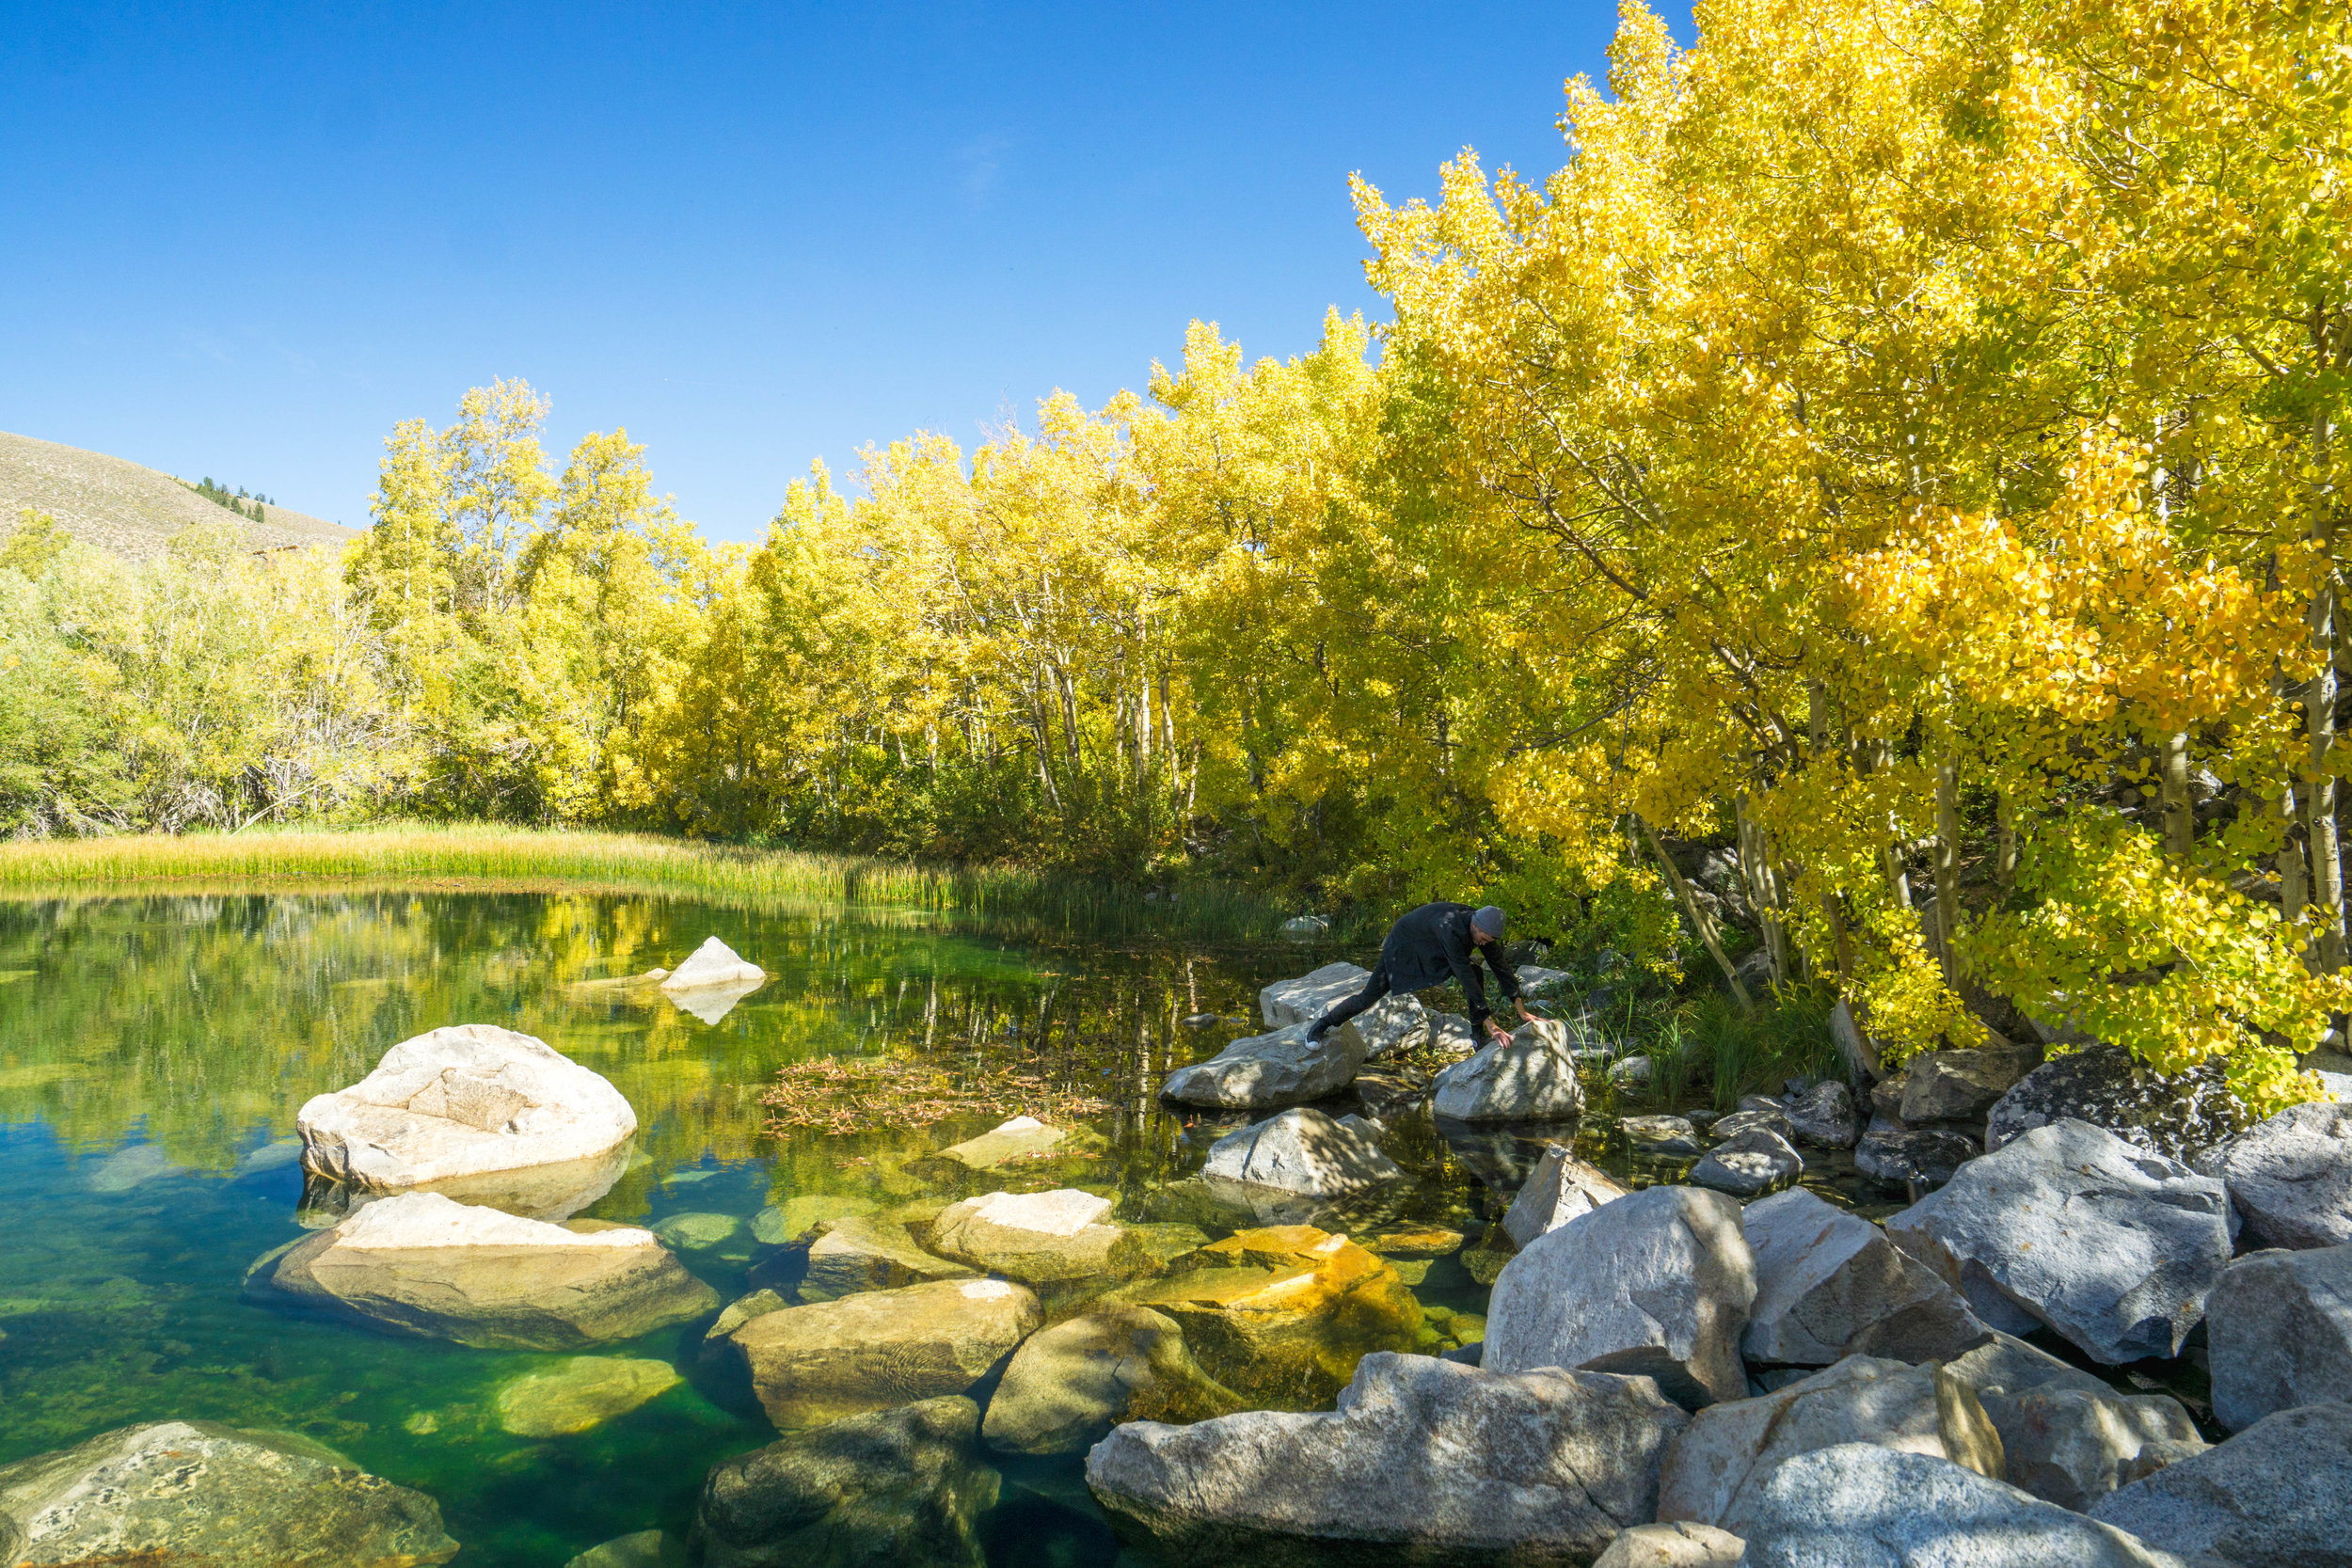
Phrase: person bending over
x=1428 y=946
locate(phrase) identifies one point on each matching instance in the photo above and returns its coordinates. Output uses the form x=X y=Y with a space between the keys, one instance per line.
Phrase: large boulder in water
x=2291 y=1177
x=2278 y=1494
x=1070 y=1383
x=1265 y=1071
x=1560 y=1188
x=1750 y=1161
x=1308 y=997
x=2278 y=1333
x=420 y=1264
x=1303 y=1151
x=814 y=1364
x=1530 y=1077
x=713 y=965
x=2178 y=1115
x=859 y=1252
x=2111 y=1246
x=1656 y=1284
x=1392 y=1024
x=1424 y=1461
x=193 y=1495
x=467 y=1102
x=904 y=1487
x=1038 y=1238
x=1822 y=1277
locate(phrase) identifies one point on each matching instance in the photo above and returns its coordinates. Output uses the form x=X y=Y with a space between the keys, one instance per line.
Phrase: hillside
x=126 y=509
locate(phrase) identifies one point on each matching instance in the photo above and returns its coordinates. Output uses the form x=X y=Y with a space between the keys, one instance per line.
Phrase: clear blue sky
x=244 y=240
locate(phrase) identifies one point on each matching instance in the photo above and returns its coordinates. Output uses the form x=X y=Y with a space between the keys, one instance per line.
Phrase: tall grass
x=1708 y=1041
x=635 y=862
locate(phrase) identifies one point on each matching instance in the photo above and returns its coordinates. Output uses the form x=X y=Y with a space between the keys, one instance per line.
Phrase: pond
x=153 y=1052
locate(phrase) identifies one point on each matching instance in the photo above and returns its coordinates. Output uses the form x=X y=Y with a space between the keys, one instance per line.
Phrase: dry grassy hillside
x=124 y=508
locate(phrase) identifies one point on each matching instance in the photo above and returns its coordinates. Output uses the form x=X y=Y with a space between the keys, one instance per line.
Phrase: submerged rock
x=1037 y=1238
x=697 y=1232
x=2113 y=1247
x=1308 y=997
x=1306 y=1152
x=1265 y=1071
x=1661 y=1135
x=2291 y=1176
x=2278 y=1332
x=1530 y=1077
x=1863 y=1505
x=192 y=1495
x=1561 y=1189
x=782 y=1224
x=584 y=1391
x=2278 y=1494
x=646 y=1548
x=904 y=1487
x=1423 y=1461
x=865 y=1252
x=1657 y=1283
x=1750 y=1161
x=1730 y=1451
x=1070 y=1385
x=422 y=1265
x=459 y=1103
x=814 y=1364
x=1822 y=1277
x=1021 y=1138
x=2176 y=1115
x=712 y=965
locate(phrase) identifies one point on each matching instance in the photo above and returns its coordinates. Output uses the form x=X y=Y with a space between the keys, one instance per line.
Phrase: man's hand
x=1525 y=1017
x=1502 y=1036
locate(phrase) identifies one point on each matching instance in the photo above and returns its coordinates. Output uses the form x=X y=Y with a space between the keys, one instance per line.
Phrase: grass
x=633 y=863
x=1708 y=1040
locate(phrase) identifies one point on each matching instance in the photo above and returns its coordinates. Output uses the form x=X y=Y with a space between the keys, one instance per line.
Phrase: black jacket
x=1432 y=944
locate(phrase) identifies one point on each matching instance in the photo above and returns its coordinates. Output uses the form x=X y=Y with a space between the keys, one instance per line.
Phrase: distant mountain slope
x=121 y=507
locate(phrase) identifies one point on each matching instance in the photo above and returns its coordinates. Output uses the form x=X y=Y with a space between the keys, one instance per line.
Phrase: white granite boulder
x=1310 y=996
x=712 y=966
x=1655 y=1284
x=1305 y=1152
x=2291 y=1176
x=2278 y=1333
x=1822 y=1277
x=1560 y=1188
x=1037 y=1238
x=2278 y=1494
x=1266 y=1071
x=1424 y=1460
x=2073 y=1445
x=467 y=1101
x=2068 y=1226
x=1392 y=1024
x=1532 y=1077
x=1681 y=1544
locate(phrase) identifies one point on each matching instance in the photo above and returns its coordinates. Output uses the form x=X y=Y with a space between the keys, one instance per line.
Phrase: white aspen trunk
x=2005 y=843
x=1948 y=866
x=2180 y=818
x=1700 y=920
x=2295 y=888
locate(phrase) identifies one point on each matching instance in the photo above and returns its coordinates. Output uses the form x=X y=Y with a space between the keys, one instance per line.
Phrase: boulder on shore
x=420 y=1264
x=714 y=965
x=175 y=1492
x=1530 y=1077
x=2278 y=1494
x=2068 y=1226
x=1656 y=1284
x=2278 y=1333
x=465 y=1101
x=2178 y=1115
x=1863 y=1505
x=2074 y=1445
x=1958 y=1085
x=1912 y=1156
x=1310 y=996
x=1266 y=1071
x=1561 y=1188
x=1424 y=1461
x=904 y=1487
x=1069 y=1385
x=1037 y=1238
x=1730 y=1451
x=1822 y=1277
x=1824 y=1116
x=814 y=1364
x=1303 y=1151
x=2291 y=1176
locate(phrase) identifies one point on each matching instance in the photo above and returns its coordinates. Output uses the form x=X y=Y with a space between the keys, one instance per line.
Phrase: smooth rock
x=1037 y=1238
x=1863 y=1505
x=1021 y=1138
x=2000 y=1365
x=583 y=1392
x=420 y=1264
x=1657 y=1284
x=1392 y=1024
x=2278 y=1494
x=1921 y=1156
x=647 y=1548
x=1822 y=1277
x=194 y=1495
x=1530 y=1077
x=1536 y=982
x=1561 y=1188
x=782 y=1224
x=2113 y=1247
x=1955 y=1086
x=1824 y=1116
x=862 y=1252
x=1070 y=1385
x=1268 y=1071
x=697 y=1232
x=2176 y=1115
x=1730 y=1451
x=2074 y=1445
x=2291 y=1176
x=818 y=1362
x=1310 y=996
x=1934 y=1329
x=1661 y=1135
x=712 y=965
x=2278 y=1333
x=1769 y=1117
x=1750 y=1161
x=1681 y=1544
x=466 y=1101
x=1424 y=1461
x=132 y=1167
x=903 y=1488
x=1306 y=1152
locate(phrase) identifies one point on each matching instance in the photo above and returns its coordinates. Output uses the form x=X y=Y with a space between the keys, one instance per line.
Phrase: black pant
x=1339 y=1012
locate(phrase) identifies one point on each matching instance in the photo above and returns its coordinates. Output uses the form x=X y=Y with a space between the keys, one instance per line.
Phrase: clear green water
x=153 y=1052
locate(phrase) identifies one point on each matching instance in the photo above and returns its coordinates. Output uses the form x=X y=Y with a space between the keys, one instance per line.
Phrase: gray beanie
x=1487 y=922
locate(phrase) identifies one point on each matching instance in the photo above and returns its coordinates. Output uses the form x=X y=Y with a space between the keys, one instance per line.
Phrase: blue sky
x=245 y=239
